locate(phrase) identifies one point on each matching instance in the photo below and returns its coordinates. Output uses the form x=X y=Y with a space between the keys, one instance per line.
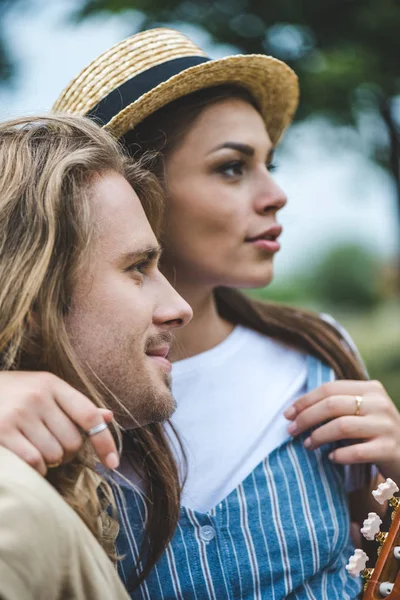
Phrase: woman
x=263 y=514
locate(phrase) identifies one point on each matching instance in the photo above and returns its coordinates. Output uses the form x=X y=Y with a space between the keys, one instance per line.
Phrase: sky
x=336 y=195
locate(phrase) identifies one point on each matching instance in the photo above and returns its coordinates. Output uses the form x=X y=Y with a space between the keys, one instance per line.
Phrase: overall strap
x=318 y=373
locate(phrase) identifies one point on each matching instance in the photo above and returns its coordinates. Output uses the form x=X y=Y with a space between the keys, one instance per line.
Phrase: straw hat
x=145 y=72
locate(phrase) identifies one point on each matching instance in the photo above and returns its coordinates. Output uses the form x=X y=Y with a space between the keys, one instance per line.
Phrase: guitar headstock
x=384 y=580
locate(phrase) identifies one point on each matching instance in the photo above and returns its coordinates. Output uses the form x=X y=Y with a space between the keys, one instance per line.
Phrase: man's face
x=123 y=309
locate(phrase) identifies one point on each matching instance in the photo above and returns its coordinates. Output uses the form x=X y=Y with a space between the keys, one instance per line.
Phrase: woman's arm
x=43 y=418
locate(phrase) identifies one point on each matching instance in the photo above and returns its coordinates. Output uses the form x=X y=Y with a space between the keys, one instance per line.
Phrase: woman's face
x=221 y=217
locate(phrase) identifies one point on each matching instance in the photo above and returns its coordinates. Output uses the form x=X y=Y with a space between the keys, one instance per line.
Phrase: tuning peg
x=386 y=588
x=385 y=491
x=396 y=552
x=357 y=562
x=371 y=526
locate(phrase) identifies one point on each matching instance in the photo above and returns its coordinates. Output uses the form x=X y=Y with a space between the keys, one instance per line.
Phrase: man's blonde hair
x=47 y=166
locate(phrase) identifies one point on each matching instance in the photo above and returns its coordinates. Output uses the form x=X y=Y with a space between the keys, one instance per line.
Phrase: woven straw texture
x=272 y=83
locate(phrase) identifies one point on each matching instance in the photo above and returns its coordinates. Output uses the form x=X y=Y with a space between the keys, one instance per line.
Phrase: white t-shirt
x=230 y=403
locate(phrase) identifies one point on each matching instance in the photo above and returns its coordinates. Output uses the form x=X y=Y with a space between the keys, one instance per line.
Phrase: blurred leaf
x=348 y=277
x=7 y=65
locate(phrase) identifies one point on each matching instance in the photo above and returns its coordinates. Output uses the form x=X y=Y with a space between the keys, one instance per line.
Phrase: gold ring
x=358 y=400
x=54 y=465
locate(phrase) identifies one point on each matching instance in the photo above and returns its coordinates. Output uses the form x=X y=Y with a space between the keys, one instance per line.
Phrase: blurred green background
x=359 y=291
x=346 y=53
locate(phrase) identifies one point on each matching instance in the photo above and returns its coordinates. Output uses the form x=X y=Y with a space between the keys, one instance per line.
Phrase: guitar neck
x=387 y=567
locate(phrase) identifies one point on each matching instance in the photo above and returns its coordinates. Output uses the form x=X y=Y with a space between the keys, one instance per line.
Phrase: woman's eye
x=271 y=166
x=234 y=168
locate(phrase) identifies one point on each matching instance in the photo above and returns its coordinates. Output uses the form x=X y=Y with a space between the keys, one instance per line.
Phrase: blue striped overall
x=282 y=533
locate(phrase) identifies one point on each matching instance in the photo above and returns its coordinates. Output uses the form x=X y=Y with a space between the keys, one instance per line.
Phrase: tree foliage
x=7 y=66
x=335 y=46
x=346 y=52
x=346 y=277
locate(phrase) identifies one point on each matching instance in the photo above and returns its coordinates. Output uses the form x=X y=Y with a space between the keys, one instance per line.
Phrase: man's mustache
x=159 y=340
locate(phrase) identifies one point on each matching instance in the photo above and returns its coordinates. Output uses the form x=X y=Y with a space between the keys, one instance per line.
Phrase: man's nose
x=172 y=310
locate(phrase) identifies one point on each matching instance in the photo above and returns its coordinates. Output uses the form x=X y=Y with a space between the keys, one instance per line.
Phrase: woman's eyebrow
x=243 y=148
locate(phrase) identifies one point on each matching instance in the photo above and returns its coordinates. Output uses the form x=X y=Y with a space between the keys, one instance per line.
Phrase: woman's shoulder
x=345 y=335
x=340 y=329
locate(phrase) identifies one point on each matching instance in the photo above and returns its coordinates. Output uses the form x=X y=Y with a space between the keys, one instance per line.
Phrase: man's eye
x=140 y=267
x=234 y=168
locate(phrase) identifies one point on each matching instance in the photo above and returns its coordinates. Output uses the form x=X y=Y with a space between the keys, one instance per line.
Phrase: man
x=86 y=313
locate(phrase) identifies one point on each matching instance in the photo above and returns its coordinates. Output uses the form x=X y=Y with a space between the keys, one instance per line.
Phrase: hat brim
x=271 y=82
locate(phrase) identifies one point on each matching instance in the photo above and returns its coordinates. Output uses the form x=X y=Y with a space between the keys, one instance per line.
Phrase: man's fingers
x=19 y=445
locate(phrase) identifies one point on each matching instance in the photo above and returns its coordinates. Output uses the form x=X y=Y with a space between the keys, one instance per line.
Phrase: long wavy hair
x=47 y=166
x=160 y=134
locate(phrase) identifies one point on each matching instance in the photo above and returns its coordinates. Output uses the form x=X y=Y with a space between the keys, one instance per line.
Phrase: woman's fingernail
x=307 y=443
x=112 y=460
x=290 y=412
x=292 y=429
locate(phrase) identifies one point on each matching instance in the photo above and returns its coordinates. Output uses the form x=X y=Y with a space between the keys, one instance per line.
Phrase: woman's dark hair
x=159 y=135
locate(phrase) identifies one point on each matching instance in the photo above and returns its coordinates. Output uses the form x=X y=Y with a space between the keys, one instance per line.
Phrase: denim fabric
x=282 y=533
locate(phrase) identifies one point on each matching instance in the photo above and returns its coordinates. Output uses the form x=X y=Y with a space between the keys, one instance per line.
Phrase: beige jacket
x=46 y=551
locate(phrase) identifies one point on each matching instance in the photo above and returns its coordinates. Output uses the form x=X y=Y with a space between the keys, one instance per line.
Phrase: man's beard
x=134 y=387
x=143 y=399
x=143 y=405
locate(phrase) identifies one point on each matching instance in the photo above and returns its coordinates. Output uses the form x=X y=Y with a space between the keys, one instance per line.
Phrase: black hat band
x=134 y=88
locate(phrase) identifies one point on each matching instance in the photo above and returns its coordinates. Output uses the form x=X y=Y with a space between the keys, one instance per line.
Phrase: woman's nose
x=270 y=198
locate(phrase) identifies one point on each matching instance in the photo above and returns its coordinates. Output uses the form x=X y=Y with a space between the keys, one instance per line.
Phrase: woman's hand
x=332 y=408
x=42 y=419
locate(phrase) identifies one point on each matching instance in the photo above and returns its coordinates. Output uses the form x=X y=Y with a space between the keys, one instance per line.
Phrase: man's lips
x=159 y=355
x=267 y=240
x=159 y=351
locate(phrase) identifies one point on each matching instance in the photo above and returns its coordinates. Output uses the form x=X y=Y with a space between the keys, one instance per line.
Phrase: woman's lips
x=265 y=244
x=267 y=240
